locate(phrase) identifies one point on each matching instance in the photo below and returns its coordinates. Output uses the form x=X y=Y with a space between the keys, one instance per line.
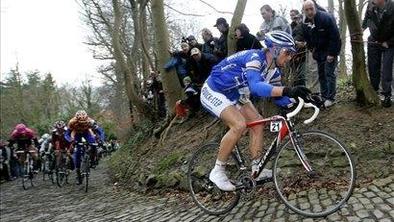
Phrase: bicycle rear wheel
x=326 y=187
x=204 y=193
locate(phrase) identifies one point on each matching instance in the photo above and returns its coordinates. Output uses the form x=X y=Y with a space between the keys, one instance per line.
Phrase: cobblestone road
x=103 y=203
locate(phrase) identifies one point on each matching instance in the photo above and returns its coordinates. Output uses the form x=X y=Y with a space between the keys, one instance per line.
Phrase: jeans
x=328 y=79
x=387 y=70
x=374 y=64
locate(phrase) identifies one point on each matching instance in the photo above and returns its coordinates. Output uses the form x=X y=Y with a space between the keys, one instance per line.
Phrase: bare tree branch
x=218 y=11
x=182 y=13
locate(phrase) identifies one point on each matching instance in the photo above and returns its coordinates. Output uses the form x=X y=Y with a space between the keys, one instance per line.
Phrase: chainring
x=249 y=186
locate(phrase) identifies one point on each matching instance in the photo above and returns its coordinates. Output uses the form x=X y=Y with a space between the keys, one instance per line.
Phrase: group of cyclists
x=61 y=139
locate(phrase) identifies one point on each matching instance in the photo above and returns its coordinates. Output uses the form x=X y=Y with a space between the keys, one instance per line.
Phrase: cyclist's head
x=20 y=127
x=282 y=46
x=45 y=136
x=187 y=80
x=81 y=115
x=59 y=124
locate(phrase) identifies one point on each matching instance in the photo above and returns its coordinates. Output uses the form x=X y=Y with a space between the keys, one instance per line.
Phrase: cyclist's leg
x=58 y=156
x=219 y=105
x=34 y=154
x=256 y=132
x=233 y=118
x=89 y=136
x=256 y=140
x=77 y=163
x=236 y=122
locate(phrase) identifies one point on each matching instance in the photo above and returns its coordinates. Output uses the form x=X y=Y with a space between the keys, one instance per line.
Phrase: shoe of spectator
x=386 y=101
x=328 y=103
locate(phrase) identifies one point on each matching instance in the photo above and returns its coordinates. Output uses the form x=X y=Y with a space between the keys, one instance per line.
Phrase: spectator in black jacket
x=322 y=36
x=209 y=41
x=192 y=41
x=245 y=40
x=220 y=50
x=379 y=18
x=192 y=100
x=201 y=65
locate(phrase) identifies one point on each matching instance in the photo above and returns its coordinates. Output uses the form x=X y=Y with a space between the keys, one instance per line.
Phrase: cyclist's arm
x=67 y=136
x=36 y=143
x=260 y=88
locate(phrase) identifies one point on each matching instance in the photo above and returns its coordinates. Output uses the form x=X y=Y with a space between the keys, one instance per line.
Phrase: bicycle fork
x=298 y=145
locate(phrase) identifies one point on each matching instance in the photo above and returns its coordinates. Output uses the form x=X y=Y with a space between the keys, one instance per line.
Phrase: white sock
x=219 y=165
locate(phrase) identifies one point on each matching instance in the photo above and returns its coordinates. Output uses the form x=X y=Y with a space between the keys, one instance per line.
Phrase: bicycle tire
x=44 y=169
x=31 y=173
x=86 y=182
x=86 y=169
x=200 y=185
x=25 y=176
x=61 y=174
x=321 y=198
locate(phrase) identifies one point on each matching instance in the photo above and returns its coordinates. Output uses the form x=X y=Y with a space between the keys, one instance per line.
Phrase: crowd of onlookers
x=318 y=42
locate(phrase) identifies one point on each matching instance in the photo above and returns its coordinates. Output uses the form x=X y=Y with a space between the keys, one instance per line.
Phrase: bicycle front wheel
x=25 y=176
x=314 y=174
x=86 y=169
x=205 y=193
x=61 y=173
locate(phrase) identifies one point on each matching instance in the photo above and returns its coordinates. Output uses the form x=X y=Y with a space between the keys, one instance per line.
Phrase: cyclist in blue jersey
x=226 y=95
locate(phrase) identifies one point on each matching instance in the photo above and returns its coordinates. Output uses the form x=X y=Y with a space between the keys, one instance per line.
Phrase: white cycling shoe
x=220 y=179
x=265 y=174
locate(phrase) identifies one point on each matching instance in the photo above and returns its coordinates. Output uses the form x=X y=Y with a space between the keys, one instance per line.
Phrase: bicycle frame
x=287 y=129
x=85 y=157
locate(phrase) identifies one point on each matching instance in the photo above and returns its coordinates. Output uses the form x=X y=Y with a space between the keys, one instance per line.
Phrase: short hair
x=206 y=31
x=266 y=8
x=295 y=11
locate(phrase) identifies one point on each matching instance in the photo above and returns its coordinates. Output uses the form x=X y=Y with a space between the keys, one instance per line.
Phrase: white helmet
x=45 y=136
x=278 y=40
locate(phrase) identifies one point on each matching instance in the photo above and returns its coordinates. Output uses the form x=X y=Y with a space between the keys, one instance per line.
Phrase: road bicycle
x=63 y=168
x=312 y=171
x=27 y=168
x=85 y=162
x=47 y=166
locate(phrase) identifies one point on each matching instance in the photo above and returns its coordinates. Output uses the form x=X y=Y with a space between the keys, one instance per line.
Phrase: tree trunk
x=235 y=21
x=134 y=101
x=171 y=85
x=361 y=5
x=331 y=6
x=147 y=62
x=365 y=94
x=343 y=27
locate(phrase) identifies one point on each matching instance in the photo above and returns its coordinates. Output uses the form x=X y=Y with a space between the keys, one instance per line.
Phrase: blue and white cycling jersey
x=246 y=69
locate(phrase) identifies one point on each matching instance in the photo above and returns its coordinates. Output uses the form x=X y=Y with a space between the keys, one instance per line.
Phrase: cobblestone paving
x=47 y=202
